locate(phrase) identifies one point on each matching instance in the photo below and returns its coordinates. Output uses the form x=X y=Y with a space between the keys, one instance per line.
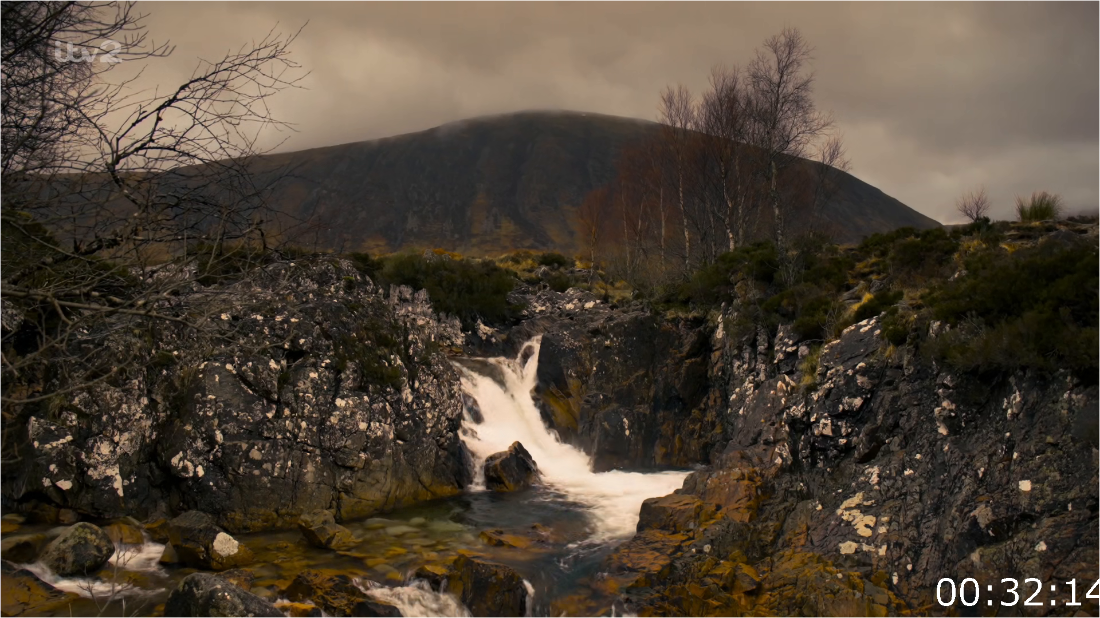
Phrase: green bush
x=554 y=260
x=877 y=304
x=1035 y=308
x=925 y=255
x=471 y=290
x=1042 y=206
x=714 y=283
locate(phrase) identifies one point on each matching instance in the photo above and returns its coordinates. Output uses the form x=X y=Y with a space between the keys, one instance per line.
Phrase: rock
x=200 y=543
x=157 y=530
x=510 y=470
x=125 y=531
x=241 y=578
x=22 y=548
x=81 y=549
x=22 y=593
x=169 y=555
x=349 y=407
x=487 y=588
x=202 y=594
x=321 y=530
x=335 y=593
x=299 y=610
x=673 y=513
x=375 y=607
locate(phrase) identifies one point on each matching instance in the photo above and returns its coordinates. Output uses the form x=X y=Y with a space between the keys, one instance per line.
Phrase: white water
x=612 y=499
x=418 y=599
x=143 y=558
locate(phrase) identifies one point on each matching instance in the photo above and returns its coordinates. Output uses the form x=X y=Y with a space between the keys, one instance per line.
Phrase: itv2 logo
x=72 y=53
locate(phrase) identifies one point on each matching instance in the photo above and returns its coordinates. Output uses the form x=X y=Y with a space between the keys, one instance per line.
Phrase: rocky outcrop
x=510 y=470
x=202 y=594
x=857 y=495
x=80 y=549
x=303 y=388
x=198 y=542
x=321 y=530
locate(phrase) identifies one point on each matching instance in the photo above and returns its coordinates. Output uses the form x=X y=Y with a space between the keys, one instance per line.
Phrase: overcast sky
x=932 y=99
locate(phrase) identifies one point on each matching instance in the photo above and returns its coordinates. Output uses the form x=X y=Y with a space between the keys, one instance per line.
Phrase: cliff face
x=852 y=496
x=305 y=389
x=496 y=183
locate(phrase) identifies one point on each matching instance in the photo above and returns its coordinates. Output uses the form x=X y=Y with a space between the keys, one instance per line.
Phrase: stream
x=555 y=535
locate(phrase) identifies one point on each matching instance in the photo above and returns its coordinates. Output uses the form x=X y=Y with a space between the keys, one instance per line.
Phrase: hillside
x=495 y=183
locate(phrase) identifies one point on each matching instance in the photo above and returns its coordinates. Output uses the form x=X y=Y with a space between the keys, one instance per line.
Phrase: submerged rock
x=510 y=470
x=199 y=542
x=321 y=530
x=202 y=594
x=23 y=593
x=336 y=594
x=80 y=549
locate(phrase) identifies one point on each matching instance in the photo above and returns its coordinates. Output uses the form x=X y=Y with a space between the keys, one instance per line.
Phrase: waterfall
x=611 y=499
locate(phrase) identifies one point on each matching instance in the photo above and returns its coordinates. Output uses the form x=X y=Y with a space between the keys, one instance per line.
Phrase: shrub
x=808 y=368
x=471 y=290
x=877 y=304
x=1034 y=308
x=1042 y=206
x=554 y=260
x=925 y=255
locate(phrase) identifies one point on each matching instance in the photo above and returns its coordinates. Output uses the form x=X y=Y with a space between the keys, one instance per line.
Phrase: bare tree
x=591 y=219
x=973 y=204
x=114 y=200
x=677 y=113
x=786 y=121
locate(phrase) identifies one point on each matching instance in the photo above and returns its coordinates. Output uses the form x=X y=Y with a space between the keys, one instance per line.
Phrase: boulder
x=22 y=548
x=201 y=543
x=22 y=593
x=203 y=594
x=321 y=530
x=336 y=594
x=125 y=531
x=79 y=550
x=510 y=470
x=241 y=578
x=487 y=588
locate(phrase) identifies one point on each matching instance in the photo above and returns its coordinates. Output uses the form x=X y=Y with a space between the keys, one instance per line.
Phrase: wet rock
x=23 y=594
x=673 y=513
x=22 y=548
x=202 y=594
x=125 y=531
x=299 y=610
x=335 y=593
x=157 y=530
x=201 y=543
x=510 y=470
x=80 y=549
x=241 y=578
x=169 y=555
x=487 y=588
x=321 y=530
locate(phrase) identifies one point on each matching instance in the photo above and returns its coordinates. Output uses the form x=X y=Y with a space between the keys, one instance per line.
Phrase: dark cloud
x=932 y=98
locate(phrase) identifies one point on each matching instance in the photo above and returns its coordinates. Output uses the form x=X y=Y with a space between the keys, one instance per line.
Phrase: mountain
x=496 y=183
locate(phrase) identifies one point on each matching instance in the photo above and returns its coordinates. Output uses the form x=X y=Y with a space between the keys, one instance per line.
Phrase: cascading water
x=611 y=499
